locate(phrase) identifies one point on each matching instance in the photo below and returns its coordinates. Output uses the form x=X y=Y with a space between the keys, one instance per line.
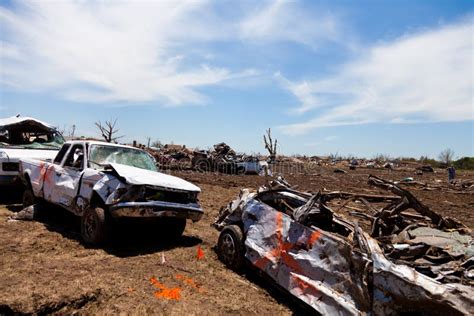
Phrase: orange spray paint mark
x=165 y=292
x=281 y=251
x=313 y=238
x=189 y=282
x=200 y=253
x=305 y=286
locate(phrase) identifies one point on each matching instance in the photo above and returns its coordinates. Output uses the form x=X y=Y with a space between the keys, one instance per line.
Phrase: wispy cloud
x=425 y=77
x=326 y=139
x=288 y=21
x=141 y=51
x=110 y=51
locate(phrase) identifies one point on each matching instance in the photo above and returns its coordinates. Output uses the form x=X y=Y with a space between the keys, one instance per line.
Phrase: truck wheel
x=230 y=247
x=93 y=226
x=28 y=198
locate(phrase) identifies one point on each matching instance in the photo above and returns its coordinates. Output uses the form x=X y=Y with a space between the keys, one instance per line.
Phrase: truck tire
x=28 y=198
x=93 y=226
x=230 y=247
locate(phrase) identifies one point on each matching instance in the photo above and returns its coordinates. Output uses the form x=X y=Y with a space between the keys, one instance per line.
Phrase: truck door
x=67 y=177
x=47 y=174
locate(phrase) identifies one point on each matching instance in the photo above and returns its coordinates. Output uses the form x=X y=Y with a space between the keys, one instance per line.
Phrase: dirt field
x=45 y=268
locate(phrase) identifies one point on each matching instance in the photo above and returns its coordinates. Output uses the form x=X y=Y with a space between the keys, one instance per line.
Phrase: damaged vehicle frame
x=103 y=182
x=294 y=239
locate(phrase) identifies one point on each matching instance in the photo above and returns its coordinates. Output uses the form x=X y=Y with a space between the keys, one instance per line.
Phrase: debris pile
x=225 y=160
x=172 y=157
x=439 y=247
x=410 y=233
x=222 y=158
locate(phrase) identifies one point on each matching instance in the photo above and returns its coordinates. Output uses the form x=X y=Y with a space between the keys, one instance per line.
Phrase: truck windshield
x=100 y=155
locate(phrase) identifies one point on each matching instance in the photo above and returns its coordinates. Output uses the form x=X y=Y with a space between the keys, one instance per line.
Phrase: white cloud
x=141 y=51
x=326 y=139
x=110 y=51
x=330 y=138
x=283 y=20
x=425 y=77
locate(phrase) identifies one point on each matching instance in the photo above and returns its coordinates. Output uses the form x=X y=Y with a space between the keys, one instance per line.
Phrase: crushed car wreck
x=101 y=182
x=22 y=137
x=405 y=261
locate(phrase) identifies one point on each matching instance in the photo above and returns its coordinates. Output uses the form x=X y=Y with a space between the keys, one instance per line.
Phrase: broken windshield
x=102 y=155
x=30 y=140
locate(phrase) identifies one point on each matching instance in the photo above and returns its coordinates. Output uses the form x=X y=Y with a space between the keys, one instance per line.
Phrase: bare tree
x=61 y=130
x=446 y=156
x=157 y=144
x=72 y=131
x=108 y=130
x=270 y=145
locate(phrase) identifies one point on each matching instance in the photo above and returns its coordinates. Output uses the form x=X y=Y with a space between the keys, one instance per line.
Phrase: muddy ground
x=45 y=268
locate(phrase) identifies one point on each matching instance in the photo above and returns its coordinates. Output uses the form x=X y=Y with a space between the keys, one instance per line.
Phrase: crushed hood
x=137 y=176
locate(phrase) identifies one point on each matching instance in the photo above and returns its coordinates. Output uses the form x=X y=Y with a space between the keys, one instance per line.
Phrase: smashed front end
x=145 y=201
x=132 y=192
x=403 y=262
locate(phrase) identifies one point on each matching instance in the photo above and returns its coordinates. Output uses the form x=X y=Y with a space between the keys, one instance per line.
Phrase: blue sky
x=346 y=77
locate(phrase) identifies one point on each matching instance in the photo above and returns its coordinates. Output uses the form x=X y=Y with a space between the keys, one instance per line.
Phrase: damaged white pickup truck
x=102 y=182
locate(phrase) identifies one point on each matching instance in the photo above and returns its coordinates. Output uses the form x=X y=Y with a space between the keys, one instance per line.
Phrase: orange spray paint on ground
x=165 y=292
x=189 y=282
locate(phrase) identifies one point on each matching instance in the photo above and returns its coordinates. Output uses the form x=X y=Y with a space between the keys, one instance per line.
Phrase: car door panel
x=67 y=178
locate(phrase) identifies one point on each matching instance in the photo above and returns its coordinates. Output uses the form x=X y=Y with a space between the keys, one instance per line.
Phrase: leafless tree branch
x=108 y=130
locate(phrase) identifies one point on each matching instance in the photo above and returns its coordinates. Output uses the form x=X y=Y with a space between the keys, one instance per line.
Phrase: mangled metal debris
x=221 y=159
x=409 y=259
x=224 y=159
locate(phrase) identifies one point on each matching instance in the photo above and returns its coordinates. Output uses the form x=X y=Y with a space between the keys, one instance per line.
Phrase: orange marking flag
x=200 y=253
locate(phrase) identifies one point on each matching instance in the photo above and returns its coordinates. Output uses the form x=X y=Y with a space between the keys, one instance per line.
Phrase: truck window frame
x=61 y=154
x=71 y=154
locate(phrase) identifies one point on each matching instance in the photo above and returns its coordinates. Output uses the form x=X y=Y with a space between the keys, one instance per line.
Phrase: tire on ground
x=28 y=198
x=230 y=247
x=93 y=226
